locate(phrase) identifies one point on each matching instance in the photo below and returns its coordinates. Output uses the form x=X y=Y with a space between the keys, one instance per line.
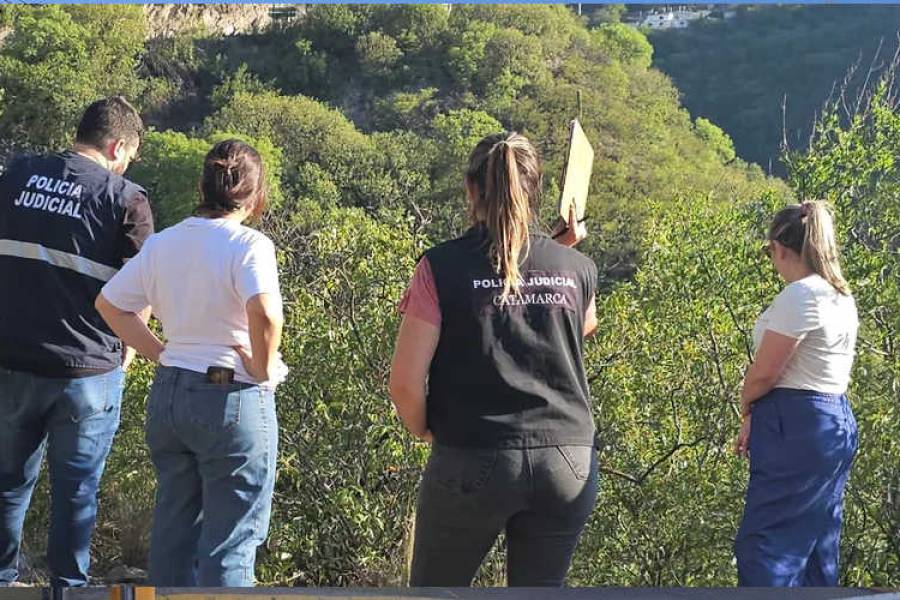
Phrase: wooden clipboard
x=576 y=176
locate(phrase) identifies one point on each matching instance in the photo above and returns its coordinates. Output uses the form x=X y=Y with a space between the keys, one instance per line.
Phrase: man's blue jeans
x=214 y=448
x=75 y=420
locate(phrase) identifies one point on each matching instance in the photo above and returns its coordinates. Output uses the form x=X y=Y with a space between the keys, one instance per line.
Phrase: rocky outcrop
x=165 y=20
x=222 y=19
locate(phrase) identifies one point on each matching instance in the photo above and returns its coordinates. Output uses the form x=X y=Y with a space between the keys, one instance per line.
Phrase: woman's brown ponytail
x=505 y=171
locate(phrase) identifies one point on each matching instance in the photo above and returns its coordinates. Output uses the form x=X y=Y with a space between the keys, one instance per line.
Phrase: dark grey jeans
x=541 y=498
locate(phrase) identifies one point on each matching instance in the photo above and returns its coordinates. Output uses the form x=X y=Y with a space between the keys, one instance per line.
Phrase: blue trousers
x=214 y=448
x=802 y=445
x=75 y=420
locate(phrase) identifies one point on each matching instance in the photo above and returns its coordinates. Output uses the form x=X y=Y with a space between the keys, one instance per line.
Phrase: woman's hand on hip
x=256 y=372
x=742 y=443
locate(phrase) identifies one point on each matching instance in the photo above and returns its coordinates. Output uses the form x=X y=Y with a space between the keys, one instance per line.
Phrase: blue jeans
x=802 y=445
x=214 y=448
x=541 y=497
x=75 y=419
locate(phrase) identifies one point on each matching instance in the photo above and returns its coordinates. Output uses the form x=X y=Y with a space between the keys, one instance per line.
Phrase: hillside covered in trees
x=741 y=72
x=386 y=101
x=365 y=116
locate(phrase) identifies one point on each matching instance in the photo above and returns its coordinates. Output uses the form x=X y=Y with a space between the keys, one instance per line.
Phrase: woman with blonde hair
x=803 y=436
x=493 y=327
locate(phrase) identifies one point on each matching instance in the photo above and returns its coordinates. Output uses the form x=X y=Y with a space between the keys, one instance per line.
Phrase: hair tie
x=229 y=167
x=497 y=145
x=805 y=208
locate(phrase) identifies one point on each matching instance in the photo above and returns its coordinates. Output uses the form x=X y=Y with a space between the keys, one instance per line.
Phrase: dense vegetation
x=365 y=116
x=377 y=107
x=740 y=72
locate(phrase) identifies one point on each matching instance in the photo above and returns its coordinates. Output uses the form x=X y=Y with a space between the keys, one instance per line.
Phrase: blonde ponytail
x=808 y=230
x=820 y=249
x=506 y=172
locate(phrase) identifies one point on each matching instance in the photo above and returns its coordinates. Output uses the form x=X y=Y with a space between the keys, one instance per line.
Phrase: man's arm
x=137 y=226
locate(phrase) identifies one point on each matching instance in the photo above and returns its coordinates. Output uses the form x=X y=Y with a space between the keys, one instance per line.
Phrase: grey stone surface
x=217 y=19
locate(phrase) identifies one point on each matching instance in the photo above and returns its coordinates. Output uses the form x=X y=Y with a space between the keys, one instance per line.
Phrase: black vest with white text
x=508 y=373
x=61 y=239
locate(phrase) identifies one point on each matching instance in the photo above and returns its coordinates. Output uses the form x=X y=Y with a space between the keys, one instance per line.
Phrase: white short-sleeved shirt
x=825 y=322
x=198 y=276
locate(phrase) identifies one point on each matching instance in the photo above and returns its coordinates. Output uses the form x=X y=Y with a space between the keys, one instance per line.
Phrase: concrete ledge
x=528 y=594
x=122 y=592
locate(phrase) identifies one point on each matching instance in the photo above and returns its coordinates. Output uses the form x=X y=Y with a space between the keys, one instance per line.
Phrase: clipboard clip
x=566 y=228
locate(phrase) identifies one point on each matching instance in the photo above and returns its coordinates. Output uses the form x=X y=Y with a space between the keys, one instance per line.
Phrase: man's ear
x=115 y=150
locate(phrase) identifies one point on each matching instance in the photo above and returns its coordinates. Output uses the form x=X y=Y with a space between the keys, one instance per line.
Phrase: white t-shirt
x=198 y=276
x=825 y=322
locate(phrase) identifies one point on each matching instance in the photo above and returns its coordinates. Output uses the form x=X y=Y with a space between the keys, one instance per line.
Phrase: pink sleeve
x=420 y=299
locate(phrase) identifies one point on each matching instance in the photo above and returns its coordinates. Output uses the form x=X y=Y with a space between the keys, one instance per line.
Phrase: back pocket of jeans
x=579 y=460
x=460 y=470
x=93 y=396
x=214 y=407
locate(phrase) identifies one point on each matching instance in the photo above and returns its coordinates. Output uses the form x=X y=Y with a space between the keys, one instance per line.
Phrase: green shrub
x=59 y=59
x=171 y=165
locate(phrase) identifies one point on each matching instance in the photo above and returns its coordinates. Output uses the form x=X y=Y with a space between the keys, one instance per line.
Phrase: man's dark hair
x=109 y=119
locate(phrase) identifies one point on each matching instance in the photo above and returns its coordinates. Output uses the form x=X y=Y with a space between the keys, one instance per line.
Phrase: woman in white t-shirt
x=211 y=425
x=798 y=429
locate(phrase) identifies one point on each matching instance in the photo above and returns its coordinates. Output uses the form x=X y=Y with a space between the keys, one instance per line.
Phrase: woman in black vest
x=493 y=324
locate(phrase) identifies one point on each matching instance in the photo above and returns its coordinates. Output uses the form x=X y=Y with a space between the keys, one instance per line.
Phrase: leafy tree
x=716 y=138
x=241 y=81
x=604 y=13
x=454 y=135
x=511 y=61
x=57 y=60
x=665 y=368
x=466 y=51
x=358 y=166
x=333 y=27
x=555 y=24
x=623 y=43
x=458 y=131
x=378 y=53
x=407 y=110
x=522 y=66
x=304 y=129
x=415 y=27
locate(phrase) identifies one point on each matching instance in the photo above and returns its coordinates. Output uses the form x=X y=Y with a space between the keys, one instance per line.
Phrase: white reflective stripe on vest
x=57 y=258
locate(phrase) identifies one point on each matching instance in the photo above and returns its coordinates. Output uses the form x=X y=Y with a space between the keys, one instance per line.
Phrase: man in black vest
x=68 y=221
